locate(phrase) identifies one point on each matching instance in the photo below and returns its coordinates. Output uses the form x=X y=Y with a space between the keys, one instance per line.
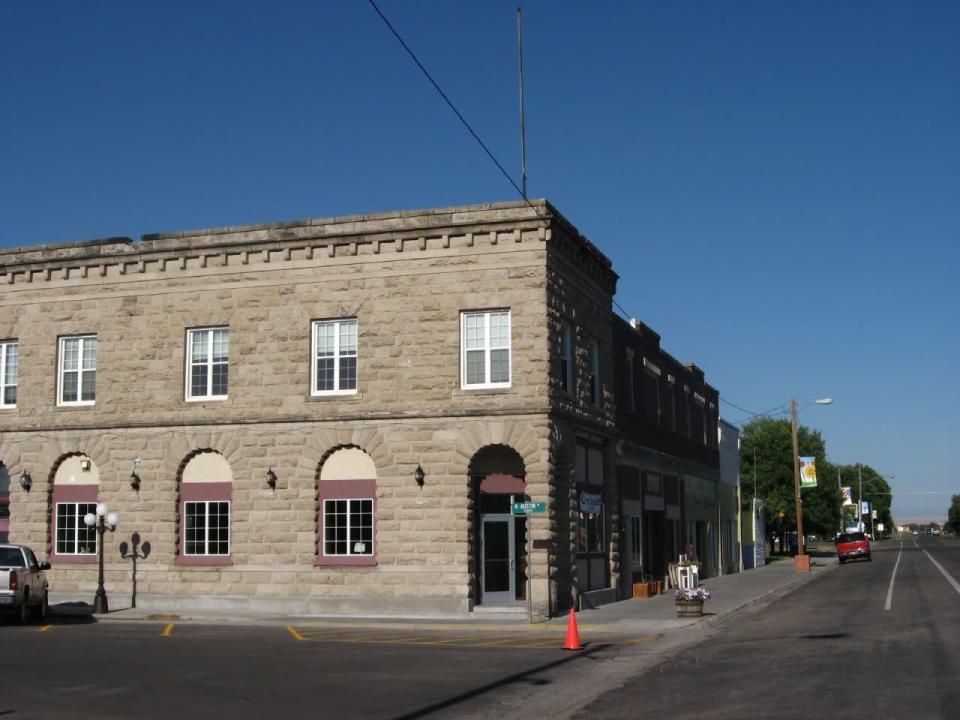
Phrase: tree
x=953 y=515
x=772 y=442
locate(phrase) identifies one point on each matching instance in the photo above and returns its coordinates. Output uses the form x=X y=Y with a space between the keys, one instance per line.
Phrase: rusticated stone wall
x=406 y=277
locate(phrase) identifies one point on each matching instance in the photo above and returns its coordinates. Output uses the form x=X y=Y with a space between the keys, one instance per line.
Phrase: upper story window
x=651 y=392
x=77 y=370
x=698 y=419
x=566 y=359
x=668 y=406
x=485 y=349
x=594 y=372
x=630 y=394
x=334 y=366
x=9 y=358
x=207 y=369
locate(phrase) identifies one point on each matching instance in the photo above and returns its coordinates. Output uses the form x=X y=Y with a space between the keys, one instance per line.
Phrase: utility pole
x=802 y=561
x=860 y=498
x=840 y=485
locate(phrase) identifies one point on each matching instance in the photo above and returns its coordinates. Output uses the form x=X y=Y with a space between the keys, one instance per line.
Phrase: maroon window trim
x=70 y=494
x=344 y=490
x=194 y=492
x=501 y=484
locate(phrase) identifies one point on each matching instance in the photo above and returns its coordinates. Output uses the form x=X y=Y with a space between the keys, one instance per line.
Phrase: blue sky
x=775 y=182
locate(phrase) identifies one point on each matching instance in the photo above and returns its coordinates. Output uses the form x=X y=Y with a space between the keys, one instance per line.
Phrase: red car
x=852 y=545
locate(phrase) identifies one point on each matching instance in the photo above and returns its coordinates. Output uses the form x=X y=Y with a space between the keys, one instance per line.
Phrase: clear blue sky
x=777 y=183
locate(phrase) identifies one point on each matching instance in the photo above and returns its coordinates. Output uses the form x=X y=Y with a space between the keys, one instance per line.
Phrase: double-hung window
x=485 y=349
x=207 y=529
x=594 y=373
x=77 y=370
x=334 y=350
x=9 y=358
x=73 y=535
x=208 y=363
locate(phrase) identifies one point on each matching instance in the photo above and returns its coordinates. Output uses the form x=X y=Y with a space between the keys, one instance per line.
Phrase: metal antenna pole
x=523 y=126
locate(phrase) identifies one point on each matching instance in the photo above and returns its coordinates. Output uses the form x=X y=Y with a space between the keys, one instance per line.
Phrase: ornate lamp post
x=102 y=521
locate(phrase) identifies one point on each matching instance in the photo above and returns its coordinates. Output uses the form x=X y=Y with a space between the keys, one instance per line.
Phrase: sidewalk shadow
x=71 y=613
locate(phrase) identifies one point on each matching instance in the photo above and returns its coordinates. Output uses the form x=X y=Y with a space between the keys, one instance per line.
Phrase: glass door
x=498 y=559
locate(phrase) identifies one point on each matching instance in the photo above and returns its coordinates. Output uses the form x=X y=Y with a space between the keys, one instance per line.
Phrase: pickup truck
x=23 y=583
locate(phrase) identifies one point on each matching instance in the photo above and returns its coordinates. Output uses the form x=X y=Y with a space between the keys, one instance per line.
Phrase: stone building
x=326 y=416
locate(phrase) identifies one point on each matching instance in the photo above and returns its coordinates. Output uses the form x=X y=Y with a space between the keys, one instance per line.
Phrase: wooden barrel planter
x=690 y=608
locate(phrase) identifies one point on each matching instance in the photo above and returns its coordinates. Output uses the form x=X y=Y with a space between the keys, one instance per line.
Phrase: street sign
x=525 y=508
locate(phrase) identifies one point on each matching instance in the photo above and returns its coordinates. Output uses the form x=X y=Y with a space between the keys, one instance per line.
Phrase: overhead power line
x=453 y=107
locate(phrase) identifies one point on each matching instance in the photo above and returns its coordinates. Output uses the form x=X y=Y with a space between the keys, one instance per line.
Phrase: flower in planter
x=700 y=593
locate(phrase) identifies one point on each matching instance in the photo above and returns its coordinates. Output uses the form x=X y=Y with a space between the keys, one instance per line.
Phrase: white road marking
x=956 y=585
x=887 y=604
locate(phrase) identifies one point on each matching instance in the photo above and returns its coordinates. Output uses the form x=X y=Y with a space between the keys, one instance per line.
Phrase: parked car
x=852 y=545
x=23 y=583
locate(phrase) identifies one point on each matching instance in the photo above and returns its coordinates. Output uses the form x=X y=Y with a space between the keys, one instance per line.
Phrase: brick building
x=328 y=416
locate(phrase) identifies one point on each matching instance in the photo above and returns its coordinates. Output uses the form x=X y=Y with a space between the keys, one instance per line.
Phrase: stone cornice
x=386 y=233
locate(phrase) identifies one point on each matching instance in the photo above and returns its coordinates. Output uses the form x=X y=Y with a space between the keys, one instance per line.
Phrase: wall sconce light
x=272 y=479
x=134 y=477
x=26 y=482
x=85 y=464
x=419 y=476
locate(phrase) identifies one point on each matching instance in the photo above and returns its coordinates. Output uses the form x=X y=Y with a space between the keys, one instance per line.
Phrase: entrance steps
x=503 y=611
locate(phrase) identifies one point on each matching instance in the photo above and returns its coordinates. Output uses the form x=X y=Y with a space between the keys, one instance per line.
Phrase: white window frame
x=350 y=547
x=595 y=391
x=337 y=356
x=5 y=347
x=486 y=349
x=206 y=534
x=567 y=376
x=188 y=357
x=81 y=369
x=79 y=527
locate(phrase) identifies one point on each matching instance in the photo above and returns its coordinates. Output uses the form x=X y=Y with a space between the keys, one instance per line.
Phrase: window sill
x=345 y=561
x=204 y=560
x=212 y=398
x=73 y=559
x=335 y=397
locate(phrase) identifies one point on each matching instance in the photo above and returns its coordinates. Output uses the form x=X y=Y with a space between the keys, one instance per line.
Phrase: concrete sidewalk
x=650 y=615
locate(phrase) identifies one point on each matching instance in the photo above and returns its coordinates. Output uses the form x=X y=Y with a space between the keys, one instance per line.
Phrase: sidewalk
x=650 y=615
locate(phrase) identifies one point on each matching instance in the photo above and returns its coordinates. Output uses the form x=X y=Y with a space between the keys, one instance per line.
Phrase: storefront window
x=590 y=530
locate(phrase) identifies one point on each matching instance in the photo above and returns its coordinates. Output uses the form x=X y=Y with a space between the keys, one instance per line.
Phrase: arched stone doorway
x=498 y=538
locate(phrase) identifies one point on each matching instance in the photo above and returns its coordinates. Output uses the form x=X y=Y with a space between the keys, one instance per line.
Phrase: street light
x=801 y=563
x=102 y=522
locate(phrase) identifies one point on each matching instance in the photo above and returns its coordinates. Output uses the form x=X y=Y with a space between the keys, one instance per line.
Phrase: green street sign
x=525 y=508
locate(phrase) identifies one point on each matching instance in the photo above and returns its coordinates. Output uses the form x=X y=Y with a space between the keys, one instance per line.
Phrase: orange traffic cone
x=573 y=637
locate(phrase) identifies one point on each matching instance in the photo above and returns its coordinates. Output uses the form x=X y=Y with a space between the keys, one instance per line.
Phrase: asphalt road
x=836 y=648
x=163 y=669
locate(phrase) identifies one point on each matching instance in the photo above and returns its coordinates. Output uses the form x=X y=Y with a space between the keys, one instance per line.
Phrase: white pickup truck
x=23 y=583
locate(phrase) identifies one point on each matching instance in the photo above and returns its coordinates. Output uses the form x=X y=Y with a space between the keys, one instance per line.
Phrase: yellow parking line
x=641 y=640
x=45 y=628
x=297 y=635
x=503 y=640
x=168 y=630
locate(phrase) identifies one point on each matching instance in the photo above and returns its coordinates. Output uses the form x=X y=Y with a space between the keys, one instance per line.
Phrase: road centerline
x=893 y=575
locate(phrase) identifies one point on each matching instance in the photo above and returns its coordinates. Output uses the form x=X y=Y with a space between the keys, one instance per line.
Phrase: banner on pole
x=847 y=495
x=808 y=472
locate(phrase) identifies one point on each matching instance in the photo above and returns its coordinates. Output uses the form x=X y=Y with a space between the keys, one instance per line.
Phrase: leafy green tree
x=771 y=440
x=953 y=515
